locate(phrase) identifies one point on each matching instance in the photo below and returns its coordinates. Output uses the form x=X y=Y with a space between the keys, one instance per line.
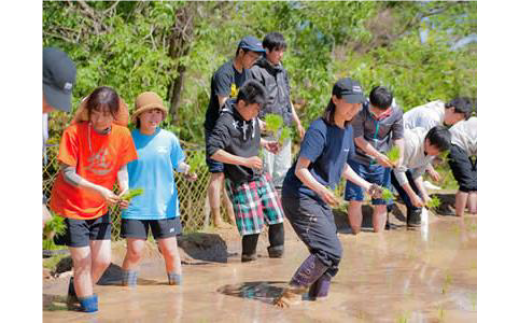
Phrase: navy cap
x=251 y=43
x=349 y=90
x=59 y=76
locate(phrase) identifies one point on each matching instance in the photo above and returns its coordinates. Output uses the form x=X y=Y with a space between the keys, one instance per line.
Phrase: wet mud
x=423 y=275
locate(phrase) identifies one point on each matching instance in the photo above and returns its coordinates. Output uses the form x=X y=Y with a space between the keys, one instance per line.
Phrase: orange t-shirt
x=97 y=159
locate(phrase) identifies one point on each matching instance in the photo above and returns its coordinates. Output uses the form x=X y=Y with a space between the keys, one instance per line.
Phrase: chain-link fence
x=193 y=201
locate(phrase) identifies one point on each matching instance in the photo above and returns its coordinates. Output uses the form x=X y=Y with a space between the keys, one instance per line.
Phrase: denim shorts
x=213 y=165
x=373 y=173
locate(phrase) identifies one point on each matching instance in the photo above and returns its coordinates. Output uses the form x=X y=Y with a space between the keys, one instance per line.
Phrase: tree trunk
x=179 y=46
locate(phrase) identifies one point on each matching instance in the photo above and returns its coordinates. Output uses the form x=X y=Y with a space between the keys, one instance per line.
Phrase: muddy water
x=427 y=275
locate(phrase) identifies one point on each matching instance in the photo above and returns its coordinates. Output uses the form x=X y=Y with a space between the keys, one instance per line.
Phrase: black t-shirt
x=225 y=82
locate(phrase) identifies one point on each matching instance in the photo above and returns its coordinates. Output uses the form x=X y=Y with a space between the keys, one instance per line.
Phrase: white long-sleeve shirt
x=414 y=156
x=464 y=135
x=425 y=116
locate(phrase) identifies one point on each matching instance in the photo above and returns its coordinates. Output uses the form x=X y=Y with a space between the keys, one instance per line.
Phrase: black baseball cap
x=251 y=43
x=350 y=90
x=59 y=76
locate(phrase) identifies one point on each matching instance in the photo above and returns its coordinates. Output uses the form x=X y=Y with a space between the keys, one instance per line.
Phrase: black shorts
x=79 y=233
x=464 y=169
x=161 y=229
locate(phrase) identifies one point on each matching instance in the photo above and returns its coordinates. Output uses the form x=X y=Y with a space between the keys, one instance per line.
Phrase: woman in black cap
x=307 y=193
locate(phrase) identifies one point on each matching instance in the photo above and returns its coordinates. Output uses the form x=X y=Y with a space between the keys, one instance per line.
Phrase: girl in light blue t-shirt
x=157 y=208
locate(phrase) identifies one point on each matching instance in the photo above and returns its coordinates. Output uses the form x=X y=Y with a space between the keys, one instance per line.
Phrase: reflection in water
x=262 y=291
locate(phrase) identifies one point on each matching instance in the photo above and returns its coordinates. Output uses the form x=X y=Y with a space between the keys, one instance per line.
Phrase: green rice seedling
x=473 y=299
x=196 y=161
x=434 y=203
x=56 y=225
x=393 y=154
x=441 y=314
x=286 y=134
x=133 y=193
x=387 y=195
x=273 y=122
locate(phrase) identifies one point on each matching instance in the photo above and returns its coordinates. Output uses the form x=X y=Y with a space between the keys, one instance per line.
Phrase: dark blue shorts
x=213 y=165
x=161 y=229
x=464 y=169
x=375 y=174
x=78 y=233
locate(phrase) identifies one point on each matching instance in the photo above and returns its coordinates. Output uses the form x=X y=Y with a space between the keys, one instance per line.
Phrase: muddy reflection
x=262 y=291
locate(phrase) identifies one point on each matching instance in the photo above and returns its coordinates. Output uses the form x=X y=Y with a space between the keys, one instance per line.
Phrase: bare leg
x=134 y=250
x=171 y=255
x=379 y=218
x=228 y=205
x=215 y=185
x=81 y=261
x=472 y=202
x=460 y=203
x=101 y=256
x=355 y=216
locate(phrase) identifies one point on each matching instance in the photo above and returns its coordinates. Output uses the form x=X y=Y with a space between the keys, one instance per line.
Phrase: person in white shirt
x=438 y=113
x=420 y=149
x=463 y=163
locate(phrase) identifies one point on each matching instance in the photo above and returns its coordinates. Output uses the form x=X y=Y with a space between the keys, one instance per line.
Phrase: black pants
x=314 y=224
x=463 y=168
x=406 y=199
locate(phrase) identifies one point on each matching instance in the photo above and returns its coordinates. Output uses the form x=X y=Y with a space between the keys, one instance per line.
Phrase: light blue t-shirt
x=159 y=154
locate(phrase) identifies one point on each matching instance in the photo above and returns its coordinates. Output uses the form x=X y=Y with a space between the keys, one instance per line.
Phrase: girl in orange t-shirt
x=93 y=154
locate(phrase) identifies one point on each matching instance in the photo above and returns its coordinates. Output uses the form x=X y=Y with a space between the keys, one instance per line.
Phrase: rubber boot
x=413 y=218
x=249 y=243
x=309 y=272
x=275 y=251
x=88 y=304
x=129 y=278
x=320 y=288
x=174 y=279
x=72 y=298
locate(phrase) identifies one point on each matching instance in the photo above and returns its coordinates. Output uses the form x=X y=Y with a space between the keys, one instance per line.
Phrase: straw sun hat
x=148 y=101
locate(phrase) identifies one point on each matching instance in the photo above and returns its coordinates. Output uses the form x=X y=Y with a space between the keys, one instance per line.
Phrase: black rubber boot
x=249 y=247
x=276 y=240
x=413 y=218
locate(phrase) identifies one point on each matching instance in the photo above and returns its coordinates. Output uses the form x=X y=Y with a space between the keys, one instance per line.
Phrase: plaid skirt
x=254 y=203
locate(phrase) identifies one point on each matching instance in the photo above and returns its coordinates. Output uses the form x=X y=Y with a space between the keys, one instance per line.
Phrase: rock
x=204 y=246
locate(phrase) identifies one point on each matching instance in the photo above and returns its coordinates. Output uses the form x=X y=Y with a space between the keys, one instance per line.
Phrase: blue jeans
x=375 y=173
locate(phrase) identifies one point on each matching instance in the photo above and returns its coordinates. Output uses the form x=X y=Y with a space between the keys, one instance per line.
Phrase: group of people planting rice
x=362 y=137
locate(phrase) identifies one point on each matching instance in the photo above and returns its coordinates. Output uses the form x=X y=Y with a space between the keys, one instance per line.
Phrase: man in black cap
x=59 y=77
x=225 y=84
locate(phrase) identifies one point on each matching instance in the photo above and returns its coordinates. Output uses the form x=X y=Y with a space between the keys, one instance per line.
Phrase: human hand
x=329 y=197
x=108 y=195
x=434 y=175
x=375 y=191
x=262 y=125
x=190 y=177
x=272 y=146
x=426 y=200
x=416 y=200
x=301 y=131
x=384 y=161
x=254 y=162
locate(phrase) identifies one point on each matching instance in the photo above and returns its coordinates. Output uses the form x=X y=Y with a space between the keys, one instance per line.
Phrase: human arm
x=122 y=183
x=184 y=169
x=301 y=129
x=420 y=185
x=368 y=149
x=224 y=157
x=71 y=177
x=433 y=173
x=304 y=175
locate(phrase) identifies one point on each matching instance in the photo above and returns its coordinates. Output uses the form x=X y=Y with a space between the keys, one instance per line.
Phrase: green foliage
x=387 y=194
x=394 y=154
x=434 y=203
x=133 y=193
x=286 y=134
x=273 y=122
x=56 y=225
x=197 y=161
